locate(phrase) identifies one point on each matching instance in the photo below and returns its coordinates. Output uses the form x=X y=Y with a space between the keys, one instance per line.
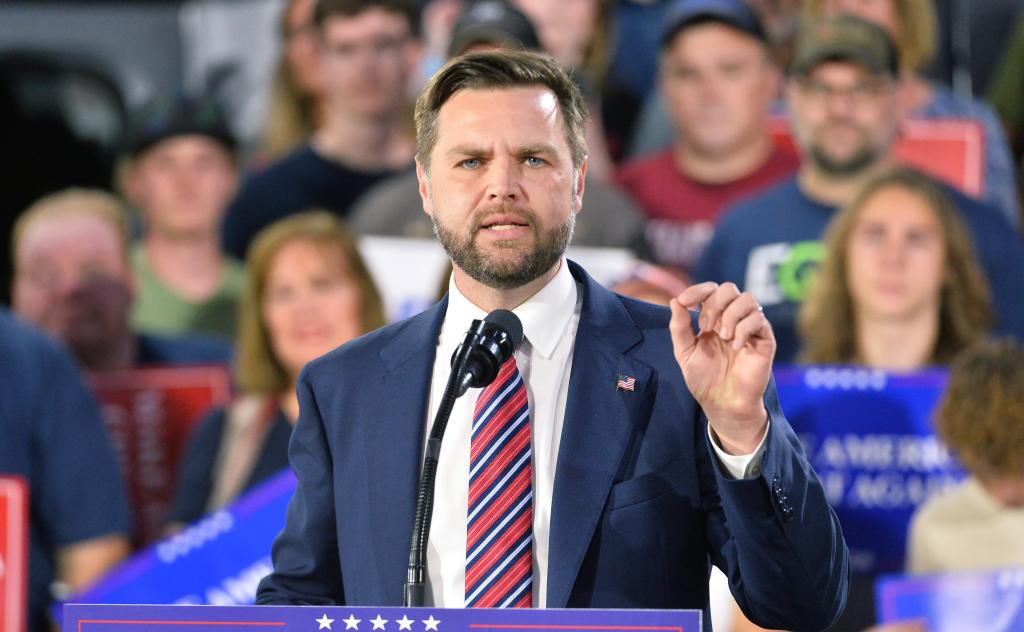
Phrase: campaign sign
x=149 y=414
x=219 y=560
x=870 y=438
x=91 y=618
x=13 y=553
x=953 y=602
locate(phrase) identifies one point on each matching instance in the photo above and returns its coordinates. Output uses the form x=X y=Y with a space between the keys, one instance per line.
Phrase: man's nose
x=503 y=180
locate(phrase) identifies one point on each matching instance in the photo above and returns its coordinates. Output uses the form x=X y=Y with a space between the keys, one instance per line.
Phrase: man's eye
x=470 y=163
x=534 y=161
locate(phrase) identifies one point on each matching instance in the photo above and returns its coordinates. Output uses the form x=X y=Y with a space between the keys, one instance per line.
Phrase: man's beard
x=507 y=274
x=866 y=156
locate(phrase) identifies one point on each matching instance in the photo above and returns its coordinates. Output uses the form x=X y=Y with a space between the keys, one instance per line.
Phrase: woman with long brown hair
x=900 y=286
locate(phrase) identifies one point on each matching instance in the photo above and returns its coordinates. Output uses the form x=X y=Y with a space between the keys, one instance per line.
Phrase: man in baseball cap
x=718 y=83
x=181 y=173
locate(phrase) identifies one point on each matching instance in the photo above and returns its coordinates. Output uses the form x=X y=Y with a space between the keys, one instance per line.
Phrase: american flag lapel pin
x=625 y=382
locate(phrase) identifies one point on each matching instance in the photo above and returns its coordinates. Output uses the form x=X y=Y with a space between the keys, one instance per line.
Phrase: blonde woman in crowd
x=913 y=27
x=978 y=524
x=309 y=292
x=900 y=287
x=296 y=106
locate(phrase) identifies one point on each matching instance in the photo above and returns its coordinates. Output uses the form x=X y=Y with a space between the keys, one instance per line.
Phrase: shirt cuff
x=742 y=465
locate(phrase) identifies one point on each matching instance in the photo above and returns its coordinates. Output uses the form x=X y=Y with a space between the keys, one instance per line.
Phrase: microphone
x=491 y=342
x=488 y=344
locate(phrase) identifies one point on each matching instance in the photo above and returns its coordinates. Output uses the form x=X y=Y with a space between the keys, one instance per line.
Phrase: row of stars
x=405 y=623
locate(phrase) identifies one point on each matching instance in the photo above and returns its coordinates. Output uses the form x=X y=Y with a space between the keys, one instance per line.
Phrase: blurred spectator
x=310 y=292
x=54 y=439
x=297 y=104
x=369 y=53
x=912 y=25
x=978 y=524
x=718 y=81
x=180 y=175
x=781 y=21
x=577 y=33
x=900 y=287
x=394 y=206
x=844 y=104
x=72 y=278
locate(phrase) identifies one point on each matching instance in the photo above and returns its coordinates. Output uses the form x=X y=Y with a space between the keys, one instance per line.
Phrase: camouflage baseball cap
x=845 y=38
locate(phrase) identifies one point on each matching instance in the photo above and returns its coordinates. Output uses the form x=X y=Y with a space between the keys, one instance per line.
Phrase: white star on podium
x=431 y=623
x=324 y=622
x=405 y=623
x=378 y=623
x=352 y=623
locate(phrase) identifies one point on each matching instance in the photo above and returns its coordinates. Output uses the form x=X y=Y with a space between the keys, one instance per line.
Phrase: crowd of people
x=208 y=251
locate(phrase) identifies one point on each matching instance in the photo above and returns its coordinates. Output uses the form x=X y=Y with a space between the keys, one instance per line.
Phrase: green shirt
x=159 y=310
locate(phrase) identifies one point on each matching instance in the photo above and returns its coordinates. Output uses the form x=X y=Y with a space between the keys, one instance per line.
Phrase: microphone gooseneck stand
x=415 y=580
x=492 y=336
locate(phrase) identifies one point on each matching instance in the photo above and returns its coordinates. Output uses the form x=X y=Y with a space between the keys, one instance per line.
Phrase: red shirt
x=681 y=212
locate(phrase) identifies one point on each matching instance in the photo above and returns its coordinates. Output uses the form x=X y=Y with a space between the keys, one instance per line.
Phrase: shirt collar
x=544 y=315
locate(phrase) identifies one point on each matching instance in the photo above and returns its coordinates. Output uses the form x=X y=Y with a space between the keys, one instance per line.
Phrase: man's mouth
x=500 y=223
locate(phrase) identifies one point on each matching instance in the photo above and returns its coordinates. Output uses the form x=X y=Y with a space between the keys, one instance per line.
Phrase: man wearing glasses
x=369 y=50
x=844 y=104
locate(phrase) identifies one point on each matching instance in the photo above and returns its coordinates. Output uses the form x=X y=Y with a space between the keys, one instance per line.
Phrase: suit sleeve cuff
x=742 y=465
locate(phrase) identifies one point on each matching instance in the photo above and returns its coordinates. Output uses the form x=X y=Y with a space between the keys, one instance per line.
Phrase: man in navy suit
x=655 y=450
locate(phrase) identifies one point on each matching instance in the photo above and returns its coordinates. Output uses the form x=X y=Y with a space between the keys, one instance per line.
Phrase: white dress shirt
x=550 y=319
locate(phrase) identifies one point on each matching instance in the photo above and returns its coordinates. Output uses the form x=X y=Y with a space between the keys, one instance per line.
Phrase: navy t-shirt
x=770 y=245
x=52 y=435
x=301 y=181
x=190 y=349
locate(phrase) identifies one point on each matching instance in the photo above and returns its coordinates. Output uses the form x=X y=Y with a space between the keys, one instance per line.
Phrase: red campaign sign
x=951 y=150
x=149 y=414
x=13 y=553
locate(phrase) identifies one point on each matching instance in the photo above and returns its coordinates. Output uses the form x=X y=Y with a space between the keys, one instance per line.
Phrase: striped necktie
x=499 y=538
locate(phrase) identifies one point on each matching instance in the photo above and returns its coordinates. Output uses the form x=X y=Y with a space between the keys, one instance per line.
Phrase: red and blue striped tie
x=499 y=539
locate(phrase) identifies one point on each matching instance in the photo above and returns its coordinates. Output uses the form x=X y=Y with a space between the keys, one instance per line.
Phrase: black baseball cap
x=735 y=13
x=493 y=22
x=168 y=117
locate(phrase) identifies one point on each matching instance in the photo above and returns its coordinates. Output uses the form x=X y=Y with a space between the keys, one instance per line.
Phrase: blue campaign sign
x=218 y=560
x=989 y=600
x=870 y=438
x=94 y=618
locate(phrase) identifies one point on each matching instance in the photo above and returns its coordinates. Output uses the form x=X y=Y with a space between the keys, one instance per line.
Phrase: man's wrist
x=742 y=438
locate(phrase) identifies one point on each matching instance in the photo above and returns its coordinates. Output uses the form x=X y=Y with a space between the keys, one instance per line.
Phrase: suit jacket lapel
x=394 y=446
x=599 y=420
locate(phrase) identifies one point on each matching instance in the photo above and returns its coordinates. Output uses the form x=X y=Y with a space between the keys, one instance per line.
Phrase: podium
x=134 y=618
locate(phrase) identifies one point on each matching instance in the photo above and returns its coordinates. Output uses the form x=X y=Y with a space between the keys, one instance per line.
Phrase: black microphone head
x=509 y=323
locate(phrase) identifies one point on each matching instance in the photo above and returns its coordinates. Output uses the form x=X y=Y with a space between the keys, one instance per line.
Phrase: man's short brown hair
x=325 y=9
x=501 y=70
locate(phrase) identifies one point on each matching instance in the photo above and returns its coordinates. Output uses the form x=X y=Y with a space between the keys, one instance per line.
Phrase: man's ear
x=425 y=194
x=580 y=185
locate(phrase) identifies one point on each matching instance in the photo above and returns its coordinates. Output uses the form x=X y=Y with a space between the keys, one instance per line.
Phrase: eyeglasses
x=380 y=47
x=861 y=92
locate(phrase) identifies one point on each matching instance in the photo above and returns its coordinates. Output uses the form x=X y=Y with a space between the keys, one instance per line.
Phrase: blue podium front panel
x=135 y=618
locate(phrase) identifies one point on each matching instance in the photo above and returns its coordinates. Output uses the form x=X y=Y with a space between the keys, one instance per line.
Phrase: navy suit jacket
x=641 y=506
